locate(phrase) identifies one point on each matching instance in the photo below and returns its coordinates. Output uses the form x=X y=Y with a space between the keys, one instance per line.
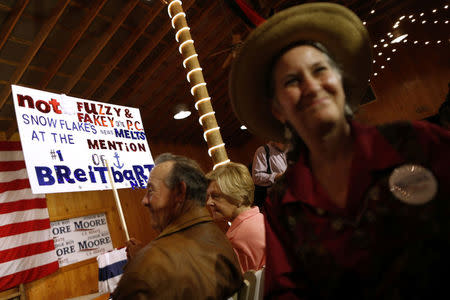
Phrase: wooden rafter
x=140 y=29
x=11 y=21
x=84 y=24
x=161 y=58
x=115 y=25
x=219 y=98
x=34 y=48
x=147 y=49
x=157 y=98
x=216 y=99
x=213 y=81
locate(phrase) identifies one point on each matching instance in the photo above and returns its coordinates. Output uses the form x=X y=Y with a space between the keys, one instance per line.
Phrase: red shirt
x=317 y=250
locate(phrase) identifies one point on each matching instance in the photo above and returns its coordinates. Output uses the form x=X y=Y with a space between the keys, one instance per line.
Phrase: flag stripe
x=11 y=146
x=11 y=196
x=9 y=281
x=18 y=217
x=12 y=165
x=11 y=156
x=26 y=250
x=15 y=185
x=23 y=227
x=21 y=205
x=24 y=239
x=8 y=176
x=26 y=263
x=111 y=270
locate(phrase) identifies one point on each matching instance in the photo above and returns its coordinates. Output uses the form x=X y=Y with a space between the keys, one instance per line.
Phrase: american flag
x=27 y=251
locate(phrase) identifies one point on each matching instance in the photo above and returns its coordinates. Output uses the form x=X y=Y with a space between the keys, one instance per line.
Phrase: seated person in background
x=191 y=258
x=269 y=163
x=230 y=197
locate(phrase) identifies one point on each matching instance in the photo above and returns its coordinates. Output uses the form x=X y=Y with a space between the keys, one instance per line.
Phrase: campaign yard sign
x=78 y=239
x=66 y=142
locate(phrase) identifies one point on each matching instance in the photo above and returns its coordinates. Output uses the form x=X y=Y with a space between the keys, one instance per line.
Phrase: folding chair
x=252 y=287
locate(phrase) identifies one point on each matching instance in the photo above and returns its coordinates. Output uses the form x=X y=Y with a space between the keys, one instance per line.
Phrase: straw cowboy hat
x=332 y=25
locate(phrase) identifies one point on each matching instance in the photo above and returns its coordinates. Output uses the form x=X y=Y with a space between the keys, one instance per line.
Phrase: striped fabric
x=110 y=269
x=27 y=251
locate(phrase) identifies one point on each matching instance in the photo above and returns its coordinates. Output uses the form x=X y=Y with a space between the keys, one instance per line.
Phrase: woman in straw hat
x=362 y=212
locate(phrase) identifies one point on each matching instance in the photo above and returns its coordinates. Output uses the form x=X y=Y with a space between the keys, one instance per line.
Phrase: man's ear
x=180 y=195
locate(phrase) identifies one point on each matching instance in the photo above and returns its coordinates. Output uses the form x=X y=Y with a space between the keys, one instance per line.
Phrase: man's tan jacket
x=190 y=259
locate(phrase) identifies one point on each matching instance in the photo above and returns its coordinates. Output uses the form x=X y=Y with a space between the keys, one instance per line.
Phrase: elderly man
x=191 y=258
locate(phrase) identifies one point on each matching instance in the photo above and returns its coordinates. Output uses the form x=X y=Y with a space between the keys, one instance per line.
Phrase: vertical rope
x=194 y=75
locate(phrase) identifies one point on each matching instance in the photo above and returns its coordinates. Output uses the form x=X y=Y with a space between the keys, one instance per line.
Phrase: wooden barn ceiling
x=124 y=52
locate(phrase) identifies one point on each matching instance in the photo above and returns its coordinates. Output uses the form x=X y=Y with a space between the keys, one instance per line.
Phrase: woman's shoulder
x=421 y=129
x=254 y=221
x=432 y=132
x=253 y=225
x=405 y=136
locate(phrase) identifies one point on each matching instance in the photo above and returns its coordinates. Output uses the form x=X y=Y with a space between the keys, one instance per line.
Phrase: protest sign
x=81 y=238
x=66 y=142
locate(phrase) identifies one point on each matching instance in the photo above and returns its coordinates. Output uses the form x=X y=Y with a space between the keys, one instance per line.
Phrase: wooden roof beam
x=148 y=48
x=140 y=29
x=216 y=97
x=164 y=123
x=225 y=110
x=157 y=95
x=115 y=25
x=162 y=57
x=220 y=105
x=34 y=48
x=182 y=93
x=214 y=82
x=157 y=99
x=11 y=21
x=68 y=47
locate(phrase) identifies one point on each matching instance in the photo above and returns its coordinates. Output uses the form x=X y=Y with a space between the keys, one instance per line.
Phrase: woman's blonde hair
x=234 y=181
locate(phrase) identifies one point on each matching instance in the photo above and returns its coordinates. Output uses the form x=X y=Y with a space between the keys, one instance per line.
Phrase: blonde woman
x=230 y=198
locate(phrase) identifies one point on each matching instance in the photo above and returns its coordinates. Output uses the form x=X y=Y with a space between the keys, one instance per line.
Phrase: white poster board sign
x=67 y=140
x=81 y=238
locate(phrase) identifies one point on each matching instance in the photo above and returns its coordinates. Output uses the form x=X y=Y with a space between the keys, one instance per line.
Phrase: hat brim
x=334 y=26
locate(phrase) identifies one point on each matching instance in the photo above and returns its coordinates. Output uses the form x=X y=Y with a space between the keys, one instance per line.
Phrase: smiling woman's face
x=308 y=90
